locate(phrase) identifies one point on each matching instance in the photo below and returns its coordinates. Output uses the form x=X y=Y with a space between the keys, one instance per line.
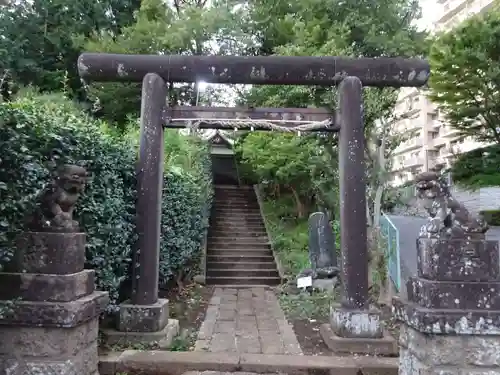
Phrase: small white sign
x=304 y=282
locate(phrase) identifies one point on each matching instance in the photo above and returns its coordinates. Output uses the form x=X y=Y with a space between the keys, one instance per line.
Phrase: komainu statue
x=447 y=217
x=56 y=203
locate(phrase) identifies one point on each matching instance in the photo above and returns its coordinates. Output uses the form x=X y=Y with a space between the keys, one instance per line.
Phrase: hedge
x=37 y=134
x=478 y=168
x=492 y=217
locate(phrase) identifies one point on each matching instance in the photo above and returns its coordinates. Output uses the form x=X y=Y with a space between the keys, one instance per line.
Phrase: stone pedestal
x=52 y=326
x=143 y=325
x=357 y=331
x=451 y=321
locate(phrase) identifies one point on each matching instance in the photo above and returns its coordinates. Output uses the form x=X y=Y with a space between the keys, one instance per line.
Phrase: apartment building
x=432 y=141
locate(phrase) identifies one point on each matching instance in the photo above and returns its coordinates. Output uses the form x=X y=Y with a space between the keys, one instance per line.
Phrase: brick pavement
x=246 y=321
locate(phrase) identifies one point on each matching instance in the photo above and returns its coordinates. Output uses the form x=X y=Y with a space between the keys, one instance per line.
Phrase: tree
x=282 y=161
x=37 y=46
x=349 y=28
x=465 y=79
x=194 y=27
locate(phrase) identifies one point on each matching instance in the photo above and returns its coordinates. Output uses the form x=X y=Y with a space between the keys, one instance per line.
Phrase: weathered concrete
x=48 y=288
x=246 y=321
x=177 y=363
x=143 y=318
x=162 y=339
x=357 y=331
x=441 y=354
x=40 y=252
x=270 y=70
x=143 y=324
x=56 y=330
x=451 y=320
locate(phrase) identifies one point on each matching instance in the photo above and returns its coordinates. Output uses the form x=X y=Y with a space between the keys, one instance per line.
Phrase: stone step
x=233 y=202
x=218 y=280
x=243 y=233
x=244 y=212
x=231 y=257
x=238 y=195
x=237 y=227
x=242 y=272
x=242 y=264
x=244 y=246
x=244 y=253
x=237 y=219
x=230 y=237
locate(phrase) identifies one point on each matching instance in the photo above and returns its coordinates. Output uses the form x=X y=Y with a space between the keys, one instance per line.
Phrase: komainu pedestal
x=52 y=325
x=50 y=309
x=451 y=320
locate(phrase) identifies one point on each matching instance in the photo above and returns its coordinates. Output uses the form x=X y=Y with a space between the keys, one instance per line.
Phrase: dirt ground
x=188 y=306
x=307 y=312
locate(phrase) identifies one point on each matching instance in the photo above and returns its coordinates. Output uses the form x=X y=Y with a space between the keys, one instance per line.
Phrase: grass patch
x=288 y=235
x=290 y=239
x=306 y=306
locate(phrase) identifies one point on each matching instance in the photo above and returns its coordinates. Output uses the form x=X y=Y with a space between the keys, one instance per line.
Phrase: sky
x=430 y=9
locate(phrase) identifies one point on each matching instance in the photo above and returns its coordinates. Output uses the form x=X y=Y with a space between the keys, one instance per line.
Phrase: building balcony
x=434 y=125
x=413 y=162
x=409 y=145
x=448 y=132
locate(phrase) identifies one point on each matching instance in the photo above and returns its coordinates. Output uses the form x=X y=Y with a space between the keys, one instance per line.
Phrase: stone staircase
x=238 y=250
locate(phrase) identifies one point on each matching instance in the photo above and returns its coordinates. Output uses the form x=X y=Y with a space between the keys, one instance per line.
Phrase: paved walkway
x=246 y=321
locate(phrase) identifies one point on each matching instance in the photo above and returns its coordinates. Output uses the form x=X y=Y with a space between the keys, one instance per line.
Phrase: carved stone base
x=357 y=331
x=428 y=354
x=162 y=339
x=356 y=323
x=54 y=314
x=50 y=350
x=48 y=288
x=139 y=318
x=384 y=346
x=447 y=321
x=50 y=253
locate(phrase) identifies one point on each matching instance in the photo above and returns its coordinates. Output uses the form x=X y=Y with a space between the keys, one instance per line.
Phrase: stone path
x=246 y=321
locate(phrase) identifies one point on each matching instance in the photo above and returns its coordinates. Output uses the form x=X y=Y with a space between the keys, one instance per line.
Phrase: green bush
x=478 y=168
x=36 y=134
x=492 y=217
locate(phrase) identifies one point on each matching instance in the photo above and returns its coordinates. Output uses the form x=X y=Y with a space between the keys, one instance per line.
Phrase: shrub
x=478 y=168
x=492 y=217
x=36 y=135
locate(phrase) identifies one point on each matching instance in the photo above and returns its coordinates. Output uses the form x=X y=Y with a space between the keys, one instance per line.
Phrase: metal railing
x=390 y=241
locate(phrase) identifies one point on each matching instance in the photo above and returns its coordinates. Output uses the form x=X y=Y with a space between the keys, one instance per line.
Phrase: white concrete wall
x=481 y=199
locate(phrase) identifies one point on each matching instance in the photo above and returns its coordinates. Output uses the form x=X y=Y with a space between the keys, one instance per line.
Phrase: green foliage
x=307 y=306
x=37 y=46
x=36 y=134
x=478 y=168
x=289 y=234
x=492 y=217
x=466 y=74
x=288 y=163
x=162 y=28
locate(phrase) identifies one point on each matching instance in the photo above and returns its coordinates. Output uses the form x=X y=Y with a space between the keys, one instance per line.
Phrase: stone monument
x=324 y=269
x=451 y=321
x=52 y=325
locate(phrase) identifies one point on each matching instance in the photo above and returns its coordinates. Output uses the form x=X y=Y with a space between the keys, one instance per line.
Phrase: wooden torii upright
x=351 y=73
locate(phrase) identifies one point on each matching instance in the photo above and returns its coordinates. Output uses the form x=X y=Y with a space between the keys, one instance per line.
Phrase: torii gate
x=351 y=73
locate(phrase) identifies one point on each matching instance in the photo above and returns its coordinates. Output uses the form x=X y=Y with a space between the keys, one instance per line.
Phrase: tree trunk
x=298 y=204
